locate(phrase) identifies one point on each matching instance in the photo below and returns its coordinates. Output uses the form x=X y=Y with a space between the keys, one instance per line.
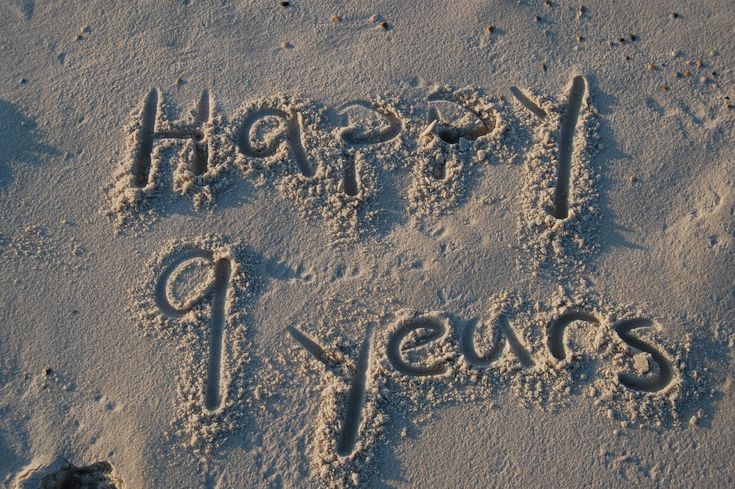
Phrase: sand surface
x=367 y=244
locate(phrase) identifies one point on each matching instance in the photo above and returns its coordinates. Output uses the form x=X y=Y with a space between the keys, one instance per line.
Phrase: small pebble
x=286 y=45
x=687 y=74
x=651 y=66
x=285 y=4
x=383 y=25
x=490 y=28
x=580 y=38
x=336 y=18
x=543 y=66
x=23 y=81
x=538 y=18
x=80 y=37
x=633 y=37
x=698 y=63
x=675 y=15
x=665 y=88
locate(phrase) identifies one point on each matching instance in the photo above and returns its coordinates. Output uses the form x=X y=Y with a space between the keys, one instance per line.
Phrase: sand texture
x=367 y=244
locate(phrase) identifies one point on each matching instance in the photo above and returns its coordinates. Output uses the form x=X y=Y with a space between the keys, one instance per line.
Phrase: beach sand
x=367 y=244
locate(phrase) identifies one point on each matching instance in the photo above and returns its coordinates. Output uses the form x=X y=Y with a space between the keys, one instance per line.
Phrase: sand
x=352 y=244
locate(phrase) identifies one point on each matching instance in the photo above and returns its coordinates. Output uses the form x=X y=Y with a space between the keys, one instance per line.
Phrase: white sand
x=375 y=244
